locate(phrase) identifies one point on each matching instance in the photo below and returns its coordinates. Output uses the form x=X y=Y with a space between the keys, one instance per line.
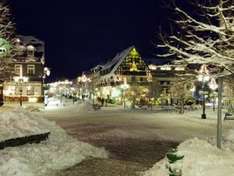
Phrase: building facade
x=26 y=81
x=131 y=80
x=170 y=83
x=228 y=93
x=125 y=79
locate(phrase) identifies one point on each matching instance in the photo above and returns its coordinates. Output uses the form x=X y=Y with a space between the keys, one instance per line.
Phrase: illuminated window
x=179 y=68
x=165 y=67
x=18 y=90
x=30 y=90
x=31 y=69
x=152 y=67
x=18 y=70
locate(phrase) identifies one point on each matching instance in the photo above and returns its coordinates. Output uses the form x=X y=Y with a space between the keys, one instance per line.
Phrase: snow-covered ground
x=55 y=103
x=16 y=123
x=201 y=158
x=114 y=124
x=164 y=125
x=58 y=152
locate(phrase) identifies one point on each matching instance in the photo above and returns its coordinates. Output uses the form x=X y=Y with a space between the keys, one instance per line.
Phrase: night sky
x=81 y=34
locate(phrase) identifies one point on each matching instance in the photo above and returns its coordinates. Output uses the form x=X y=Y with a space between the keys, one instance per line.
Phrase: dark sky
x=80 y=34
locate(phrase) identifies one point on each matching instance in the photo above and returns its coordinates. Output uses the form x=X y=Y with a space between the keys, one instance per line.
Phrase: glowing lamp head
x=200 y=78
x=206 y=78
x=124 y=86
x=204 y=70
x=213 y=85
x=30 y=48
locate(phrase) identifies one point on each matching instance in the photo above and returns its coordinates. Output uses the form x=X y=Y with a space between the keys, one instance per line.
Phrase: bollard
x=174 y=163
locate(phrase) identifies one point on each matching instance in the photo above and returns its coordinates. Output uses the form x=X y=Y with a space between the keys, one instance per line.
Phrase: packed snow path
x=132 y=137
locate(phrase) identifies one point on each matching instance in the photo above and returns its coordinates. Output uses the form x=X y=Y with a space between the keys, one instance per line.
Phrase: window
x=30 y=90
x=18 y=70
x=18 y=90
x=31 y=69
x=133 y=78
x=162 y=82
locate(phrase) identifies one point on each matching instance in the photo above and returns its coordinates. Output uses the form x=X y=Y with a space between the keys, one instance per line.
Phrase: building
x=169 y=81
x=125 y=79
x=26 y=82
x=228 y=93
x=130 y=79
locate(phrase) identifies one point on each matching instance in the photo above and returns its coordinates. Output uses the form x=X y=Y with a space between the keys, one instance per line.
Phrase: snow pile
x=230 y=136
x=17 y=123
x=229 y=140
x=200 y=159
x=54 y=101
x=60 y=151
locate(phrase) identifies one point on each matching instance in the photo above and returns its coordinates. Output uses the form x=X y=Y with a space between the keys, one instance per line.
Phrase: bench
x=32 y=139
x=228 y=116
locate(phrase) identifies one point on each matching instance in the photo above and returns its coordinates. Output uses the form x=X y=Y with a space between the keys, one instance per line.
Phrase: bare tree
x=204 y=38
x=207 y=38
x=7 y=40
x=183 y=83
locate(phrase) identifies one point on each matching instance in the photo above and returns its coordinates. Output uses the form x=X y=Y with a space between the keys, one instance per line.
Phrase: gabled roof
x=117 y=60
x=31 y=40
x=96 y=68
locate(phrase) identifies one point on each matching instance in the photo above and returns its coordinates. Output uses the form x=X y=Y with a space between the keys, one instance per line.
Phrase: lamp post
x=219 y=113
x=19 y=81
x=84 y=80
x=213 y=86
x=203 y=77
x=46 y=74
x=124 y=87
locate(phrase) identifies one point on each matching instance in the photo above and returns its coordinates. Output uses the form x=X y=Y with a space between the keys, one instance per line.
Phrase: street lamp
x=84 y=80
x=46 y=74
x=124 y=87
x=19 y=81
x=213 y=86
x=203 y=77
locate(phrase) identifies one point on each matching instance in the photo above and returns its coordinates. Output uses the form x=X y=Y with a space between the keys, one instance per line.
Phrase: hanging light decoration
x=212 y=84
x=203 y=74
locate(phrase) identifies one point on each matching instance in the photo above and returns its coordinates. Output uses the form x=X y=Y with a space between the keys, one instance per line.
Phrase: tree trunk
x=182 y=106
x=219 y=114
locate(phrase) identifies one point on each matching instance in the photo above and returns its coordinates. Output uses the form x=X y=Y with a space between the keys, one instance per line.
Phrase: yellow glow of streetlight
x=213 y=85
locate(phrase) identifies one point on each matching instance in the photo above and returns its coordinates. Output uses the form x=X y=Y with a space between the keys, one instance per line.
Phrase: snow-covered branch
x=6 y=42
x=204 y=40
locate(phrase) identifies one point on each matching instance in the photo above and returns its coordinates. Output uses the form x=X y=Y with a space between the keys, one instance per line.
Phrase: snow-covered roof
x=31 y=40
x=96 y=68
x=117 y=60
